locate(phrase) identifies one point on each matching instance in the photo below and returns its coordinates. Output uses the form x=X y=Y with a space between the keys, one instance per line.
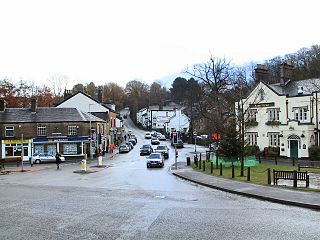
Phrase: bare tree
x=58 y=83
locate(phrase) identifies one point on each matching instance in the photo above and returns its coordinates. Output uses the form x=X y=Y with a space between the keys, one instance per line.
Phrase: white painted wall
x=83 y=103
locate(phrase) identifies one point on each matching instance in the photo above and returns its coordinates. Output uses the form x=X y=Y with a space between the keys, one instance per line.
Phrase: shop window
x=70 y=149
x=9 y=131
x=39 y=148
x=72 y=130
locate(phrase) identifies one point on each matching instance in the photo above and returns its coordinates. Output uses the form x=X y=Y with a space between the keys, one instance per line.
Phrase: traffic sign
x=194 y=133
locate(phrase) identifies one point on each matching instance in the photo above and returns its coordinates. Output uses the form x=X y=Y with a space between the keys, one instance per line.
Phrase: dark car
x=146 y=150
x=179 y=144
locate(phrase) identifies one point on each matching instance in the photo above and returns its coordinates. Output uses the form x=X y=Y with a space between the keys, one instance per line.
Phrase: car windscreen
x=161 y=148
x=154 y=155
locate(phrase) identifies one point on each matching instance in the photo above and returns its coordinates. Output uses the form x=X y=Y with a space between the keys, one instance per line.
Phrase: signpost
x=195 y=140
x=175 y=141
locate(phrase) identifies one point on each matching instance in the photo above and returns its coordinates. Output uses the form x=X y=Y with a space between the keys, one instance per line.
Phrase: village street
x=128 y=201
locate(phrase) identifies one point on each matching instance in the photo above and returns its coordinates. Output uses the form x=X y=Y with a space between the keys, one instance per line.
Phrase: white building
x=283 y=115
x=163 y=118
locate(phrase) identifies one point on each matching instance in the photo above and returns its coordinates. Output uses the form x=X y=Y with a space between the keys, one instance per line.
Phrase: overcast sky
x=121 y=40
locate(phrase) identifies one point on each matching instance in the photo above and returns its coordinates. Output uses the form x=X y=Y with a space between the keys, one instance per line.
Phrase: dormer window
x=42 y=130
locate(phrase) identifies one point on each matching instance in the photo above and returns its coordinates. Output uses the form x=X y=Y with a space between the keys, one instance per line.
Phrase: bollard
x=204 y=165
x=84 y=165
x=188 y=161
x=269 y=176
x=307 y=182
x=248 y=175
x=276 y=160
x=195 y=160
x=259 y=159
x=100 y=161
x=299 y=167
x=211 y=165
x=200 y=156
x=220 y=169
x=293 y=162
x=199 y=164
x=232 y=173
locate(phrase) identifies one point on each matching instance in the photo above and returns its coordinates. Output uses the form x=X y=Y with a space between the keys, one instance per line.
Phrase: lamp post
x=90 y=133
x=195 y=141
x=21 y=149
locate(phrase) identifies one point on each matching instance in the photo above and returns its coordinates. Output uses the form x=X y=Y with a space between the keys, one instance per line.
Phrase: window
x=10 y=131
x=274 y=139
x=261 y=94
x=273 y=114
x=252 y=114
x=42 y=130
x=72 y=130
x=252 y=138
x=70 y=149
x=301 y=114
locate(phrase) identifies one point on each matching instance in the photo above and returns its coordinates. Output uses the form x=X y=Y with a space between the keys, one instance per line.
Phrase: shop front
x=66 y=146
x=11 y=149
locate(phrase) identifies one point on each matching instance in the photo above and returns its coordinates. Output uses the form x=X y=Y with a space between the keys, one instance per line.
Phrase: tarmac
x=277 y=194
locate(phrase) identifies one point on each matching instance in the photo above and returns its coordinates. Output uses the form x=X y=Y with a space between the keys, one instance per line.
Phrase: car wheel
x=37 y=161
x=148 y=166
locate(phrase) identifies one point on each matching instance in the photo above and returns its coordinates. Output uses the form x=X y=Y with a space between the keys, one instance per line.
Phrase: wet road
x=129 y=201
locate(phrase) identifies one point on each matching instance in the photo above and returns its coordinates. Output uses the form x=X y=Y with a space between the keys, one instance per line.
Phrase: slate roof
x=46 y=114
x=291 y=87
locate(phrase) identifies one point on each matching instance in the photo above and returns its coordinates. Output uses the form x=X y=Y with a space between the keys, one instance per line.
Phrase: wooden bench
x=291 y=175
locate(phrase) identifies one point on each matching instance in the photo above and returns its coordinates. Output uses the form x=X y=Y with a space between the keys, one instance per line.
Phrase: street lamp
x=195 y=141
x=21 y=149
x=90 y=133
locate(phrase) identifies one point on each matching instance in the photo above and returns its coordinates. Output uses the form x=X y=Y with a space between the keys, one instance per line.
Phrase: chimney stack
x=33 y=105
x=67 y=94
x=286 y=72
x=2 y=105
x=261 y=73
x=100 y=95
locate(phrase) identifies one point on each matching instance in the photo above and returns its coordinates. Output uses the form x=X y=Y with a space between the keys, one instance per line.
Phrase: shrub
x=314 y=152
x=251 y=150
x=272 y=151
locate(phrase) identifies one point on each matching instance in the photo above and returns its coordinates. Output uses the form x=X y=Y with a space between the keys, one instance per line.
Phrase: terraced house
x=284 y=114
x=47 y=130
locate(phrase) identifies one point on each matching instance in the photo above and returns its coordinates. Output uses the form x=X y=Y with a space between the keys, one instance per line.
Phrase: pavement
x=92 y=165
x=300 y=198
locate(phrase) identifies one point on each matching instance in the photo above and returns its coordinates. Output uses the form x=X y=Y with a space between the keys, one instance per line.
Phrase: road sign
x=194 y=133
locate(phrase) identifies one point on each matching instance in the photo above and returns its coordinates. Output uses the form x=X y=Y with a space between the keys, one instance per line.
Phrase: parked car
x=130 y=145
x=124 y=116
x=162 y=137
x=155 y=141
x=164 y=150
x=133 y=141
x=44 y=158
x=147 y=135
x=179 y=144
x=155 y=160
x=132 y=135
x=146 y=150
x=124 y=148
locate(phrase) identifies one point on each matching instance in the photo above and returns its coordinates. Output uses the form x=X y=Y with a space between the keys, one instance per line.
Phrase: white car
x=155 y=141
x=155 y=160
x=147 y=135
x=44 y=158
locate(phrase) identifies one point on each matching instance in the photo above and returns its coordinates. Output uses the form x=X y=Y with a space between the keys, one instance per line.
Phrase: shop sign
x=261 y=105
x=10 y=141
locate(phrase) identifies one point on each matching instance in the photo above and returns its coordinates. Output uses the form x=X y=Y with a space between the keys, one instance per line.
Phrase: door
x=293 y=148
